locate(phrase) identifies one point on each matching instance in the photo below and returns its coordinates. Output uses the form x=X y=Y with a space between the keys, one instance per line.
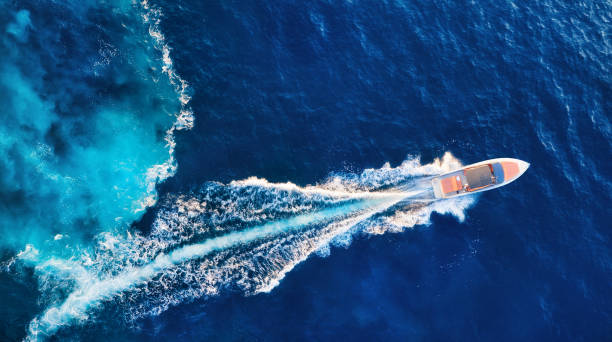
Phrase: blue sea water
x=186 y=170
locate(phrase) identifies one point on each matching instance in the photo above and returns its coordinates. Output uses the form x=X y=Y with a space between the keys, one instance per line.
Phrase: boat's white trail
x=90 y=294
x=243 y=236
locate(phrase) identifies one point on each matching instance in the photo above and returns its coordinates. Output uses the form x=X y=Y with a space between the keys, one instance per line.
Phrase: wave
x=184 y=118
x=242 y=236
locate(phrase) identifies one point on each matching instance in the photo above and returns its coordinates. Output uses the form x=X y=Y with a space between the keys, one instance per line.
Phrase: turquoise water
x=85 y=116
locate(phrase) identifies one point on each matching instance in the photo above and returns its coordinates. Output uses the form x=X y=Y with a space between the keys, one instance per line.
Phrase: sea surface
x=258 y=171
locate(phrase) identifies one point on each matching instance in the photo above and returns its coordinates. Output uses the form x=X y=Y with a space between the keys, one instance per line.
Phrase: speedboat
x=483 y=176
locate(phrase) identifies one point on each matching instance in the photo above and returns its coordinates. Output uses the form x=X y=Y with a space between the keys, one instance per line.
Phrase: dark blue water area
x=291 y=91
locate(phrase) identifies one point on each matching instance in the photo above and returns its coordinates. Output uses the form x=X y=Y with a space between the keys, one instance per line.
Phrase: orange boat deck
x=478 y=177
x=511 y=169
x=452 y=183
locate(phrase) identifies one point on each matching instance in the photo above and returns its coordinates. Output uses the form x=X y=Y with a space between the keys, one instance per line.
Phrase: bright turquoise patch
x=83 y=123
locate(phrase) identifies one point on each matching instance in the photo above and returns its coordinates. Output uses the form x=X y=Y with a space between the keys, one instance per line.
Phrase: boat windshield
x=479 y=177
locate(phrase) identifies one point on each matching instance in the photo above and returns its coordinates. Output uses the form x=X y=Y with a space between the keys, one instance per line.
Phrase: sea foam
x=243 y=236
x=86 y=135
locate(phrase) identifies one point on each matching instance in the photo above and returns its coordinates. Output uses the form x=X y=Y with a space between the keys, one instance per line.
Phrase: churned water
x=258 y=171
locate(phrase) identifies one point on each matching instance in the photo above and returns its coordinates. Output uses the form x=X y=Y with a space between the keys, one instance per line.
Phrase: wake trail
x=78 y=302
x=244 y=236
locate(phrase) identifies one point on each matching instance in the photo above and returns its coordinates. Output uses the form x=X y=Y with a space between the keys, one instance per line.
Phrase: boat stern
x=435 y=184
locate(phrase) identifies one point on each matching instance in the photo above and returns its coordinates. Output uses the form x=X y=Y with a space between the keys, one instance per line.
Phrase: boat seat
x=511 y=170
x=451 y=184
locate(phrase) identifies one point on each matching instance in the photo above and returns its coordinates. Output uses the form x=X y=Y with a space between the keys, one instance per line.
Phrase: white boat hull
x=486 y=175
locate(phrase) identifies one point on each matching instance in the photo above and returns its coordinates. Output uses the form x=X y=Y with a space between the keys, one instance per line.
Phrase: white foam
x=77 y=304
x=184 y=118
x=332 y=231
x=29 y=253
x=332 y=188
x=201 y=243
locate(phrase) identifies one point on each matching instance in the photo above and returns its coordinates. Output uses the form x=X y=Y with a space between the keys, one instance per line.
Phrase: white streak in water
x=285 y=243
x=184 y=118
x=90 y=294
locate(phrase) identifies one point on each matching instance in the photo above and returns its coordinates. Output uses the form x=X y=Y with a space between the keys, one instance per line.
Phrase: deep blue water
x=303 y=92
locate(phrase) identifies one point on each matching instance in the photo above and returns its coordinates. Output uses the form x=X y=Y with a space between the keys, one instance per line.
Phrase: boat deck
x=478 y=177
x=453 y=183
x=468 y=180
